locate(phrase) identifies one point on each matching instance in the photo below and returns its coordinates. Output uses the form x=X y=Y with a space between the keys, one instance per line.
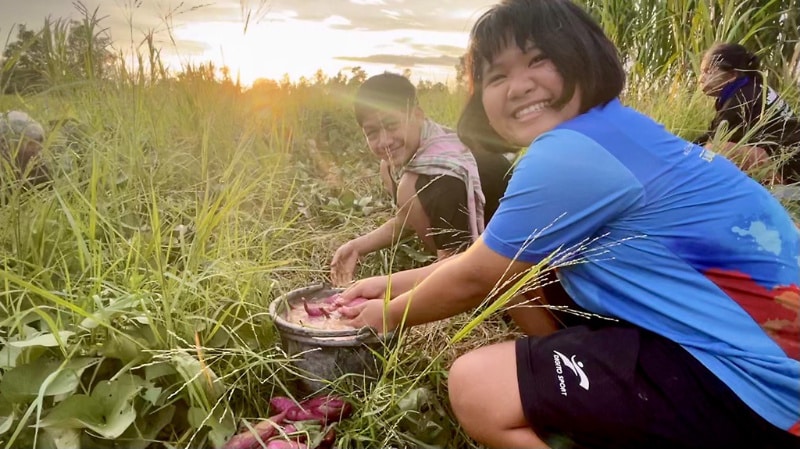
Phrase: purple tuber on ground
x=249 y=439
x=322 y=409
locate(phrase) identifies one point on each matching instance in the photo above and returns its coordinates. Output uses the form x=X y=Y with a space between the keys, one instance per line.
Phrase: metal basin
x=322 y=356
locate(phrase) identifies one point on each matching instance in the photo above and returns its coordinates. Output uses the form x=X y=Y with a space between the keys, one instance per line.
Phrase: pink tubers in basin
x=315 y=310
x=328 y=313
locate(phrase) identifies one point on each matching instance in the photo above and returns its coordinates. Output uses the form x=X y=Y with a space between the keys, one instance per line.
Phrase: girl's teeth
x=530 y=109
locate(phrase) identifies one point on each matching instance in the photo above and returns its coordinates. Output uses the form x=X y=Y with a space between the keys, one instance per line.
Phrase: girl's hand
x=369 y=314
x=344 y=262
x=370 y=288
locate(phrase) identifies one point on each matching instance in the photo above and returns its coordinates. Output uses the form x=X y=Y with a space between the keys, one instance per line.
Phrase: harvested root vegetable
x=280 y=404
x=315 y=310
x=299 y=414
x=329 y=408
x=323 y=314
x=328 y=439
x=263 y=431
x=324 y=409
x=284 y=444
x=273 y=431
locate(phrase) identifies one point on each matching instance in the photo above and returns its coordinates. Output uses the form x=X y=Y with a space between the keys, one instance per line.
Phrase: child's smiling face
x=393 y=135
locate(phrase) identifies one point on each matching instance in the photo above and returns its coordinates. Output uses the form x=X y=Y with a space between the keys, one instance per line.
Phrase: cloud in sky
x=379 y=15
x=404 y=61
x=282 y=36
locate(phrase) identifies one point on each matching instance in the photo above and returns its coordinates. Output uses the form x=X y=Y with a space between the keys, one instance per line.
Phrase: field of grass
x=133 y=306
x=178 y=211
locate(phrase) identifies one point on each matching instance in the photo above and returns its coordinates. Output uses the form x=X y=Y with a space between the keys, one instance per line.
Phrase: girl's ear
x=419 y=114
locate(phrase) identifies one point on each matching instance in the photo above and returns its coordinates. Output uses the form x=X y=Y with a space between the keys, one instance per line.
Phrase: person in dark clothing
x=444 y=200
x=21 y=139
x=444 y=191
x=759 y=122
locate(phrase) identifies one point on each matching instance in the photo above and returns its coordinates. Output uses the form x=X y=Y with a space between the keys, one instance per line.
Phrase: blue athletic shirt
x=670 y=237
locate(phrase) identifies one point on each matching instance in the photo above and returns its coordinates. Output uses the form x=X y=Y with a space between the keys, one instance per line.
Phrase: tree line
x=655 y=38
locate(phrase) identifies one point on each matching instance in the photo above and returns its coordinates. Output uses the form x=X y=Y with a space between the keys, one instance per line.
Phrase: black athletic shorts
x=613 y=385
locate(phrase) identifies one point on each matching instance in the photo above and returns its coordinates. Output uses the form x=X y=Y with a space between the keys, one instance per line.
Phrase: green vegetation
x=133 y=307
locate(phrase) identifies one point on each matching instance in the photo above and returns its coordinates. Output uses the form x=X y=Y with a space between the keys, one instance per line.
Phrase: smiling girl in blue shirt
x=694 y=264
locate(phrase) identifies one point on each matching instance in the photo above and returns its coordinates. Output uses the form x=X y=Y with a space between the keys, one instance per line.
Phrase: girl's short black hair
x=734 y=58
x=387 y=91
x=565 y=33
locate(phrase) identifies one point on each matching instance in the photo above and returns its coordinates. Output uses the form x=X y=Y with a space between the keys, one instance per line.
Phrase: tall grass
x=667 y=37
x=180 y=206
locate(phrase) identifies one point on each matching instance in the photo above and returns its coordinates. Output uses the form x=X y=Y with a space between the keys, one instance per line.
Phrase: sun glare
x=299 y=48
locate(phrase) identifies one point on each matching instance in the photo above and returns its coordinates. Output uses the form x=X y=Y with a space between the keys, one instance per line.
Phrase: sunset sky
x=282 y=36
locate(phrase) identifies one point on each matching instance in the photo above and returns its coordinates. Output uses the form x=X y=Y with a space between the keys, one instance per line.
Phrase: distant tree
x=461 y=71
x=430 y=86
x=227 y=82
x=265 y=84
x=61 y=51
x=339 y=80
x=320 y=79
x=286 y=82
x=89 y=51
x=439 y=87
x=358 y=76
x=23 y=62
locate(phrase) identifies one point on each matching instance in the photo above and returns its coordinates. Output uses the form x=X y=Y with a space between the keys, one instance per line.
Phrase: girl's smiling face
x=518 y=89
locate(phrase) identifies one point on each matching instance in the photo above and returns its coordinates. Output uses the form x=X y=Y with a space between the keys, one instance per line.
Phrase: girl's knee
x=465 y=370
x=487 y=409
x=458 y=376
x=463 y=382
x=468 y=388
